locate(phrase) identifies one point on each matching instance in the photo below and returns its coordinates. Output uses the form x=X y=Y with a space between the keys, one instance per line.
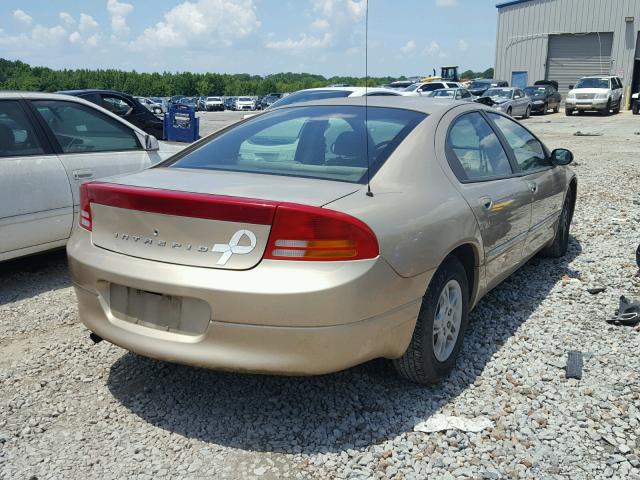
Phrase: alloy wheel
x=447 y=320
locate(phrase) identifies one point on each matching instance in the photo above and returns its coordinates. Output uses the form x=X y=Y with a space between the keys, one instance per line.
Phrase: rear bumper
x=279 y=317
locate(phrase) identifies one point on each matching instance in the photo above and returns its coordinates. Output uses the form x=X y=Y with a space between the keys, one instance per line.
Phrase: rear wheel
x=442 y=321
x=568 y=112
x=560 y=245
x=509 y=111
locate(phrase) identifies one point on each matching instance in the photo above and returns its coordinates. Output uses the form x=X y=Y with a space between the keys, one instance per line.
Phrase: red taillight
x=311 y=233
x=85 y=220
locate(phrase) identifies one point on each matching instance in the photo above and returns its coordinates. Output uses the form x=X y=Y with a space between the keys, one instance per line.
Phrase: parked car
x=312 y=94
x=481 y=85
x=201 y=104
x=229 y=103
x=635 y=103
x=452 y=94
x=289 y=245
x=399 y=84
x=510 y=100
x=49 y=145
x=125 y=106
x=190 y=101
x=599 y=93
x=426 y=88
x=543 y=97
x=269 y=100
x=213 y=104
x=153 y=107
x=244 y=103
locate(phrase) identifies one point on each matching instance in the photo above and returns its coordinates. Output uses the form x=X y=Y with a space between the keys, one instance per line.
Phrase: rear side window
x=79 y=128
x=17 y=137
x=326 y=142
x=474 y=151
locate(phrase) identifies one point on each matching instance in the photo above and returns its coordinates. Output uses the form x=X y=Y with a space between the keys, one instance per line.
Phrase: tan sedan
x=321 y=235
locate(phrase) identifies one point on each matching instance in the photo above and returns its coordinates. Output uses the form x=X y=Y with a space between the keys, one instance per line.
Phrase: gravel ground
x=70 y=409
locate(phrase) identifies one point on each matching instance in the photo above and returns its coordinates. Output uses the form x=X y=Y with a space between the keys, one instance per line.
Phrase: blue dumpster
x=181 y=124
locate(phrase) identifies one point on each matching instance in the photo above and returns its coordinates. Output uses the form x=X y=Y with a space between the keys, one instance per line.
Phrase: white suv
x=600 y=93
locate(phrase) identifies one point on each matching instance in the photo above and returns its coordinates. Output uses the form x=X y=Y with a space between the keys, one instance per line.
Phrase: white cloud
x=447 y=3
x=119 y=11
x=336 y=18
x=409 y=47
x=463 y=46
x=433 y=48
x=47 y=36
x=201 y=24
x=87 y=22
x=75 y=37
x=66 y=18
x=22 y=17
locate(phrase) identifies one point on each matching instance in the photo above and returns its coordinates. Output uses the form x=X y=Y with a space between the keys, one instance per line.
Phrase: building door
x=519 y=79
x=571 y=57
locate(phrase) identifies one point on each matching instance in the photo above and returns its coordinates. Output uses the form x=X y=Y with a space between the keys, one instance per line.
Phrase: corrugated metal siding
x=524 y=30
x=572 y=57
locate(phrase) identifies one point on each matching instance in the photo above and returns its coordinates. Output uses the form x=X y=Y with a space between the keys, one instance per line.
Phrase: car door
x=90 y=143
x=546 y=183
x=499 y=199
x=519 y=103
x=36 y=206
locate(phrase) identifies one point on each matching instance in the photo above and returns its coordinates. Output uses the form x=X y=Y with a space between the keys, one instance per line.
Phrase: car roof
x=346 y=89
x=91 y=90
x=39 y=95
x=427 y=105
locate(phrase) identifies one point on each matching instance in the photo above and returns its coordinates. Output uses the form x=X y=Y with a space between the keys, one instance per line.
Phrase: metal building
x=564 y=40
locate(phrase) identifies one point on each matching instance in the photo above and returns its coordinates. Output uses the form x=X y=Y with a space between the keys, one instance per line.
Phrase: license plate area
x=168 y=313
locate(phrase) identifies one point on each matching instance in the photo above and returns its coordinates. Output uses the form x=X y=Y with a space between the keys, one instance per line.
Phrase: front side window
x=529 y=152
x=325 y=142
x=477 y=153
x=79 y=128
x=116 y=105
x=17 y=136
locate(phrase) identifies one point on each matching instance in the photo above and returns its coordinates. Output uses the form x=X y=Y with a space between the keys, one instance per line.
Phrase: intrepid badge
x=232 y=248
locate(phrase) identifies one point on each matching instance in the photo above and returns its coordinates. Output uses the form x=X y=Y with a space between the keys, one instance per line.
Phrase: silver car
x=452 y=94
x=49 y=145
x=509 y=100
x=317 y=236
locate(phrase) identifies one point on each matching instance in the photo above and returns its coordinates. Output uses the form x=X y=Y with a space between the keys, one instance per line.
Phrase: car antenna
x=366 y=97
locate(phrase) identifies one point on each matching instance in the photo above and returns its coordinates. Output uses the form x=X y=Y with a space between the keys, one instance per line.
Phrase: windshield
x=533 y=91
x=477 y=85
x=325 y=142
x=213 y=99
x=593 y=83
x=443 y=93
x=244 y=99
x=413 y=87
x=499 y=92
x=310 y=95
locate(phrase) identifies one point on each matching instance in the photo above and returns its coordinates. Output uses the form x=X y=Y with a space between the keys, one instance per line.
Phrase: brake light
x=311 y=233
x=85 y=220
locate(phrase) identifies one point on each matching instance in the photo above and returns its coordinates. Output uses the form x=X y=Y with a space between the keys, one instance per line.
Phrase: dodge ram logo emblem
x=233 y=247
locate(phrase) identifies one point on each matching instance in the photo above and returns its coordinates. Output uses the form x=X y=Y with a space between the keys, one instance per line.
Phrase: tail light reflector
x=85 y=220
x=301 y=232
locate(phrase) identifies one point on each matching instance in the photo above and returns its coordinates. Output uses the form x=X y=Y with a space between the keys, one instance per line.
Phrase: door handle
x=486 y=203
x=82 y=174
x=533 y=186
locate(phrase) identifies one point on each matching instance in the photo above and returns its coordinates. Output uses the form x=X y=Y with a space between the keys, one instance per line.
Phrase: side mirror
x=570 y=87
x=151 y=143
x=561 y=156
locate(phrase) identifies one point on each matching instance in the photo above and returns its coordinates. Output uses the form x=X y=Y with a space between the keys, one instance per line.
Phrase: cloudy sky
x=406 y=37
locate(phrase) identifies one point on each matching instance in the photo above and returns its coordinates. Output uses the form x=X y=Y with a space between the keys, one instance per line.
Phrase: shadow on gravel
x=351 y=409
x=30 y=276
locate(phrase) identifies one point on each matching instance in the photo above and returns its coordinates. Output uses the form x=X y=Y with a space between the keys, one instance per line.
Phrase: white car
x=153 y=107
x=212 y=104
x=425 y=88
x=599 y=93
x=311 y=94
x=244 y=103
x=49 y=145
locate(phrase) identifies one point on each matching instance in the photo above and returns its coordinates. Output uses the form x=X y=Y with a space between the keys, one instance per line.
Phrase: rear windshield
x=531 y=91
x=309 y=96
x=443 y=93
x=326 y=142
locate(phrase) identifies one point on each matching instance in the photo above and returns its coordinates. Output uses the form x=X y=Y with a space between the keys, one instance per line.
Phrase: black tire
x=568 y=112
x=545 y=109
x=617 y=109
x=527 y=113
x=556 y=109
x=607 y=109
x=560 y=244
x=636 y=107
x=509 y=111
x=419 y=363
